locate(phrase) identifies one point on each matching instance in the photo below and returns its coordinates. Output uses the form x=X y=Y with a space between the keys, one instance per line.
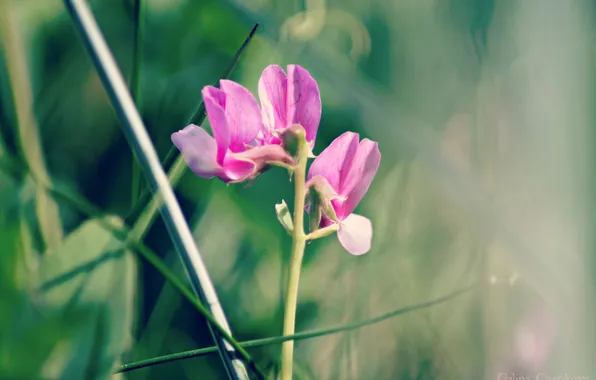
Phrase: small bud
x=292 y=137
x=322 y=191
x=313 y=203
x=284 y=216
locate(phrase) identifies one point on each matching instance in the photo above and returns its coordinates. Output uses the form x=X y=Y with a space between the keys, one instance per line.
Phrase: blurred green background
x=484 y=113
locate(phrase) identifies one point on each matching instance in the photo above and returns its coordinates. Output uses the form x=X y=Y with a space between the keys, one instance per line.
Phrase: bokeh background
x=484 y=113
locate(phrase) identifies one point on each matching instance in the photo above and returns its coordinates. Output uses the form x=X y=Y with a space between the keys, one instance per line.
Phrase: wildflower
x=289 y=100
x=340 y=176
x=246 y=138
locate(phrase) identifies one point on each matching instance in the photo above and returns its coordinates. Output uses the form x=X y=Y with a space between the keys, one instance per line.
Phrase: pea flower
x=340 y=176
x=289 y=100
x=247 y=138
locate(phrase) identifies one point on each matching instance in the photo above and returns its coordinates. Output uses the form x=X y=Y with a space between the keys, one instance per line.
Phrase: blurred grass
x=483 y=111
x=50 y=225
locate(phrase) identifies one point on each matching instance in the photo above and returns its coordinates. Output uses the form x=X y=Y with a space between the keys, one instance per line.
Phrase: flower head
x=340 y=176
x=289 y=99
x=246 y=137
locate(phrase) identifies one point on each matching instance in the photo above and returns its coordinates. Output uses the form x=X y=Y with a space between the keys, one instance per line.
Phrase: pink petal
x=355 y=234
x=273 y=90
x=303 y=101
x=215 y=102
x=326 y=196
x=237 y=170
x=335 y=160
x=247 y=165
x=535 y=337
x=199 y=150
x=242 y=113
x=363 y=168
x=260 y=155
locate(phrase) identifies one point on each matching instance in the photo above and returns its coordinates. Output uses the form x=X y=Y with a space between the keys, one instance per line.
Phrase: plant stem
x=298 y=243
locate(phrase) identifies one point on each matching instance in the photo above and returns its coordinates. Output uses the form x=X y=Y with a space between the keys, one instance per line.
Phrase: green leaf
x=27 y=337
x=91 y=275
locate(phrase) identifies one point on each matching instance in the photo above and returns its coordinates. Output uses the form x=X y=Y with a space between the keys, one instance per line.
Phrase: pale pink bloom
x=535 y=338
x=246 y=137
x=341 y=175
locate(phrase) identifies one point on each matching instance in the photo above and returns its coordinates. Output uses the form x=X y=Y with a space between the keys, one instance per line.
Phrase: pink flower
x=246 y=137
x=341 y=175
x=289 y=100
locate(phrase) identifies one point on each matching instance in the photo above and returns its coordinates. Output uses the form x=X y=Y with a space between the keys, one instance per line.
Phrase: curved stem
x=298 y=243
x=304 y=335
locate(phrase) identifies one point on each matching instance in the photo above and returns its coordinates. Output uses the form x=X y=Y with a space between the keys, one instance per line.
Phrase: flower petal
x=334 y=162
x=355 y=234
x=303 y=101
x=273 y=92
x=237 y=170
x=363 y=169
x=199 y=150
x=215 y=102
x=260 y=155
x=242 y=113
x=325 y=196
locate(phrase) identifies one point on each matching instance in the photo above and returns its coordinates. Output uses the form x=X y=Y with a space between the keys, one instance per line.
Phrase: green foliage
x=91 y=275
x=484 y=115
x=70 y=314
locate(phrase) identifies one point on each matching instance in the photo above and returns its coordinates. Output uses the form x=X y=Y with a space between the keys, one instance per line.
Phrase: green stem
x=141 y=226
x=298 y=244
x=322 y=232
x=302 y=335
x=289 y=168
x=135 y=88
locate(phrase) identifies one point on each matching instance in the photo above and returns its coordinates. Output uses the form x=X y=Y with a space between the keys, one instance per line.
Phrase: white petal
x=355 y=234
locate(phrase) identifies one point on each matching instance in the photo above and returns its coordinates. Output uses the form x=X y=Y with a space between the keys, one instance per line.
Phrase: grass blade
x=30 y=142
x=304 y=335
x=135 y=86
x=173 y=162
x=140 y=141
